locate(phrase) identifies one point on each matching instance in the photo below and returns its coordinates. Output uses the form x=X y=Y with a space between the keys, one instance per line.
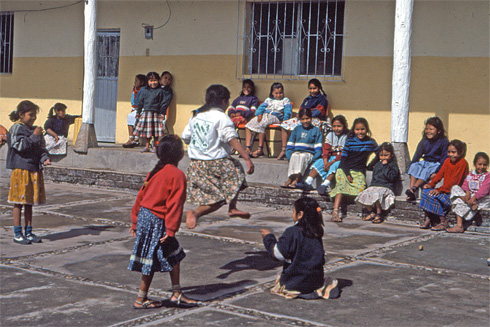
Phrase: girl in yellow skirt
x=26 y=156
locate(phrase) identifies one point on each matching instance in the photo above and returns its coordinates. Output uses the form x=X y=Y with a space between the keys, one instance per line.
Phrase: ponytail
x=22 y=108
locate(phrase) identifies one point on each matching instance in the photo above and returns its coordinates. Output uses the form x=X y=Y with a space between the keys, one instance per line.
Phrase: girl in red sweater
x=436 y=201
x=155 y=218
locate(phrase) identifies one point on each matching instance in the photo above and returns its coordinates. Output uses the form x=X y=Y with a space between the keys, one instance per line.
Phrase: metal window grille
x=293 y=39
x=108 y=54
x=6 y=42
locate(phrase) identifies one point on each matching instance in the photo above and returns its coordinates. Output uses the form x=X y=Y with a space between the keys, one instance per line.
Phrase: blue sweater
x=431 y=151
x=305 y=140
x=355 y=154
x=153 y=100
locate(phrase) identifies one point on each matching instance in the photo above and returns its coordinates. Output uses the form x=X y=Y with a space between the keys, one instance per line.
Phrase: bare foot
x=190 y=219
x=238 y=213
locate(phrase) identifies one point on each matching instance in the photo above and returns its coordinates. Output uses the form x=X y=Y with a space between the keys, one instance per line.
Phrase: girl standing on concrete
x=26 y=156
x=155 y=218
x=214 y=177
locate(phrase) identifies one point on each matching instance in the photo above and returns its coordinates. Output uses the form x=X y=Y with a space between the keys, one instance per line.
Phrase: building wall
x=450 y=63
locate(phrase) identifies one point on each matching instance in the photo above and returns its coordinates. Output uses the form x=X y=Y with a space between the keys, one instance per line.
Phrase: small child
x=381 y=194
x=26 y=156
x=474 y=195
x=166 y=80
x=332 y=151
x=155 y=218
x=139 y=82
x=274 y=110
x=304 y=146
x=243 y=108
x=350 y=178
x=436 y=201
x=301 y=250
x=433 y=151
x=318 y=104
x=56 y=128
x=151 y=111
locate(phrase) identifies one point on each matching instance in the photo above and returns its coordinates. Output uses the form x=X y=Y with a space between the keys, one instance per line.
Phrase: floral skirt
x=55 y=147
x=149 y=125
x=267 y=119
x=292 y=123
x=26 y=187
x=461 y=208
x=343 y=186
x=149 y=255
x=373 y=194
x=439 y=204
x=214 y=181
x=298 y=162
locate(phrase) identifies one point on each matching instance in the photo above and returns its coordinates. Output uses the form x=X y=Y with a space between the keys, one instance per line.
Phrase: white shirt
x=208 y=135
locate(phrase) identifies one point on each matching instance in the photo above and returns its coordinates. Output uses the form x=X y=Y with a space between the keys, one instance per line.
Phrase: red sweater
x=453 y=174
x=164 y=195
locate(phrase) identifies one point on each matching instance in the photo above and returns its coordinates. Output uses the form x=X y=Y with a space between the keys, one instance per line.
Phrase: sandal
x=426 y=224
x=439 y=227
x=377 y=219
x=282 y=154
x=455 y=229
x=180 y=303
x=148 y=304
x=369 y=217
x=258 y=153
x=335 y=216
x=410 y=193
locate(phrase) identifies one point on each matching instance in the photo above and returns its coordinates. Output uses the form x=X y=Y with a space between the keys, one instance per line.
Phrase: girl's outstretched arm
x=238 y=146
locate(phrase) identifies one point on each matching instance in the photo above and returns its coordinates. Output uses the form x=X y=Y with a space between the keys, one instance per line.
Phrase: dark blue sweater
x=431 y=151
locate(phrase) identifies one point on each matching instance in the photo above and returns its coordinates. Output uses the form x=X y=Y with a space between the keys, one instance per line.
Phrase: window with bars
x=6 y=42
x=294 y=39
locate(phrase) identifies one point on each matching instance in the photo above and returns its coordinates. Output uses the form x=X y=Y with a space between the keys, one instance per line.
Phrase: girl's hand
x=349 y=178
x=259 y=118
x=264 y=232
x=132 y=232
x=434 y=192
x=250 y=166
x=162 y=117
x=56 y=138
x=384 y=162
x=47 y=162
x=472 y=201
x=164 y=239
x=38 y=131
x=232 y=115
x=326 y=165
x=426 y=186
x=466 y=197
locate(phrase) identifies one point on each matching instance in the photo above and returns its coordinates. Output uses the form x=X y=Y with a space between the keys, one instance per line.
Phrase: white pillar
x=401 y=80
x=86 y=137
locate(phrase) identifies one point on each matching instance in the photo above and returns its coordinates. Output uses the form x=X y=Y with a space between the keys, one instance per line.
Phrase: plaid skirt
x=439 y=204
x=373 y=194
x=343 y=186
x=26 y=187
x=149 y=255
x=214 y=181
x=267 y=119
x=149 y=125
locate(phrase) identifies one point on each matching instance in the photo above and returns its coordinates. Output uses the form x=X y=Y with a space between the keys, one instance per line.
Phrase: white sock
x=309 y=180
x=326 y=182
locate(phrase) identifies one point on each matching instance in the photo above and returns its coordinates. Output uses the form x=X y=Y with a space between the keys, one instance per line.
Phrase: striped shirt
x=305 y=140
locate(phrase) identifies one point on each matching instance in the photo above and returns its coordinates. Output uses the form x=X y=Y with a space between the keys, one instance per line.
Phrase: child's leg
x=248 y=138
x=177 y=295
x=260 y=151
x=17 y=212
x=147 y=144
x=378 y=219
x=459 y=228
x=443 y=225
x=336 y=205
x=427 y=221
x=284 y=140
x=142 y=299
x=234 y=212
x=192 y=216
x=370 y=213
x=28 y=225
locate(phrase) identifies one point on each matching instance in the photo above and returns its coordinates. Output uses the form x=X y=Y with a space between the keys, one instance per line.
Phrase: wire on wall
x=166 y=22
x=46 y=9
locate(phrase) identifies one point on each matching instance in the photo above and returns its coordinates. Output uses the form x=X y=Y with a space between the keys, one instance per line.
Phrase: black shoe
x=303 y=186
x=34 y=238
x=21 y=240
x=322 y=190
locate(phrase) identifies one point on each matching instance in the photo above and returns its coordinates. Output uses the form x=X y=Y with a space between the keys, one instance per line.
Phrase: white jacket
x=208 y=134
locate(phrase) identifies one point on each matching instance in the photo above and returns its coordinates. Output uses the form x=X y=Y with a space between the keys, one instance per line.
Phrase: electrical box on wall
x=149 y=32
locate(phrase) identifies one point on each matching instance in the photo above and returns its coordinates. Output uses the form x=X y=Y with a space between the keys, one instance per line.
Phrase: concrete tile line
x=99 y=220
x=78 y=203
x=218 y=238
x=159 y=317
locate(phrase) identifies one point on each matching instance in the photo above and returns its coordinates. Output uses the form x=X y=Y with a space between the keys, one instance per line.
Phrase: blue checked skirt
x=149 y=255
x=318 y=166
x=423 y=169
x=438 y=204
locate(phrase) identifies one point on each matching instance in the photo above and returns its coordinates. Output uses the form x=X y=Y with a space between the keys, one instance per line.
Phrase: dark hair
x=143 y=79
x=57 y=107
x=274 y=86
x=360 y=120
x=312 y=221
x=305 y=112
x=215 y=95
x=479 y=155
x=318 y=84
x=22 y=108
x=460 y=147
x=341 y=119
x=387 y=146
x=169 y=151
x=153 y=75
x=252 y=85
x=438 y=124
x=168 y=73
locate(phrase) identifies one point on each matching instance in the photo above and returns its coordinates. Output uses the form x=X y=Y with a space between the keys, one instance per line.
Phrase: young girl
x=166 y=81
x=381 y=194
x=436 y=202
x=151 y=111
x=274 y=110
x=155 y=218
x=318 y=104
x=304 y=146
x=243 y=108
x=332 y=150
x=26 y=156
x=433 y=151
x=301 y=249
x=56 y=128
x=214 y=177
x=351 y=176
x=474 y=195
x=139 y=82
